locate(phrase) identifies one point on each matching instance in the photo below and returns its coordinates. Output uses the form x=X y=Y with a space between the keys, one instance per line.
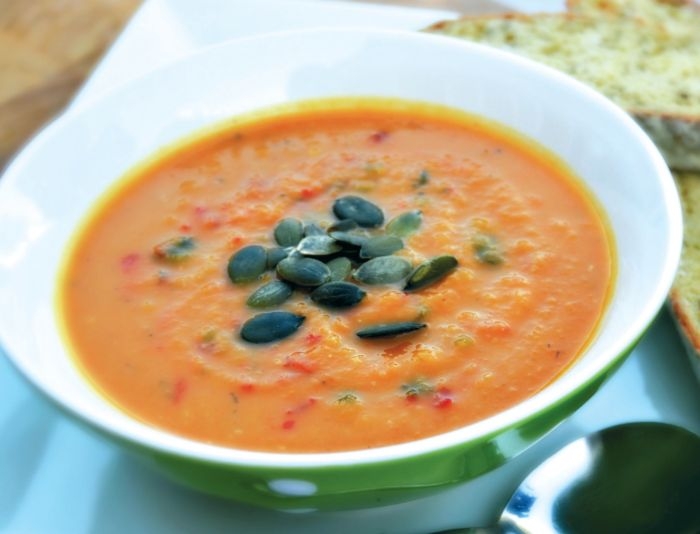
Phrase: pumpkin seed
x=337 y=295
x=271 y=294
x=306 y=272
x=340 y=268
x=405 y=224
x=362 y=211
x=430 y=272
x=175 y=249
x=389 y=330
x=313 y=229
x=247 y=264
x=383 y=270
x=276 y=255
x=381 y=245
x=342 y=226
x=318 y=245
x=487 y=249
x=353 y=239
x=271 y=326
x=289 y=232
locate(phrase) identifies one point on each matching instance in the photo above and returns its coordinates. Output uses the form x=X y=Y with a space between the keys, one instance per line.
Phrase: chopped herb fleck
x=463 y=341
x=417 y=388
x=487 y=249
x=374 y=169
x=423 y=312
x=423 y=178
x=209 y=335
x=207 y=342
x=175 y=249
x=347 y=398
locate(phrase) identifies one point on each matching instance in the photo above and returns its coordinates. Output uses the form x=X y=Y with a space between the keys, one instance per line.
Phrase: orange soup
x=420 y=269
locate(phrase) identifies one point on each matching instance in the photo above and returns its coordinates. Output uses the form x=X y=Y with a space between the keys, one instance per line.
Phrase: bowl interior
x=48 y=188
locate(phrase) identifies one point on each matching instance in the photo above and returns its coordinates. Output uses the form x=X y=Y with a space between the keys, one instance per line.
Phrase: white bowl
x=51 y=184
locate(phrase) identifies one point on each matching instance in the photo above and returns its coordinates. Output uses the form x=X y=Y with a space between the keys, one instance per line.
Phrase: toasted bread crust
x=684 y=297
x=677 y=137
x=682 y=312
x=648 y=9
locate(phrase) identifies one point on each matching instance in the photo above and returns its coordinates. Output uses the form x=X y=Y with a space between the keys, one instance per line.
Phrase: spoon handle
x=496 y=529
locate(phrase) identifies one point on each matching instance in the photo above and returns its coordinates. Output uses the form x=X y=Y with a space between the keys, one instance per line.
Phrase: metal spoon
x=631 y=478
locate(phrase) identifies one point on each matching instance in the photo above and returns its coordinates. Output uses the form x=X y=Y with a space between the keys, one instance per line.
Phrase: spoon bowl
x=633 y=477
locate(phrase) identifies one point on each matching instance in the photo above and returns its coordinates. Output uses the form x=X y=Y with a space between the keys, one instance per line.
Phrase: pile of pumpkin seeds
x=332 y=264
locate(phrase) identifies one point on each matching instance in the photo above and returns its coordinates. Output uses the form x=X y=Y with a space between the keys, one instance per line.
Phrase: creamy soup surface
x=155 y=321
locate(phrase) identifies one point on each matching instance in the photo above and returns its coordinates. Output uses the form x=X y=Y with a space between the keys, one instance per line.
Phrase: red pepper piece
x=378 y=137
x=179 y=390
x=442 y=398
x=312 y=339
x=308 y=193
x=302 y=407
x=299 y=364
x=129 y=262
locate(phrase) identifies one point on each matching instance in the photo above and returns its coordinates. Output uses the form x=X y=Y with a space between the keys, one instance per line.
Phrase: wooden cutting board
x=49 y=47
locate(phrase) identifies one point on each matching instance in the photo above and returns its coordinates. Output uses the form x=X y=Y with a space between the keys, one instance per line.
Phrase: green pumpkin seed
x=289 y=232
x=306 y=272
x=271 y=326
x=337 y=295
x=389 y=330
x=313 y=229
x=276 y=255
x=362 y=211
x=405 y=224
x=352 y=239
x=318 y=245
x=383 y=270
x=175 y=250
x=247 y=264
x=487 y=249
x=342 y=226
x=381 y=245
x=430 y=272
x=271 y=294
x=340 y=269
